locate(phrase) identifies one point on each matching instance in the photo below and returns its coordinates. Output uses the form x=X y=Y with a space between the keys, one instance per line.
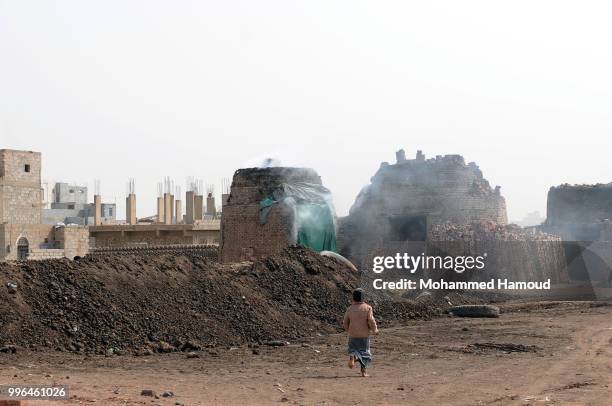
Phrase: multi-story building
x=69 y=206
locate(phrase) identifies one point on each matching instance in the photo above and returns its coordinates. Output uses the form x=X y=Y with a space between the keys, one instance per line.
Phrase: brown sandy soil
x=564 y=357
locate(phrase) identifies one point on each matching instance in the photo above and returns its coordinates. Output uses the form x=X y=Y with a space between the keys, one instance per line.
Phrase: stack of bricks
x=242 y=236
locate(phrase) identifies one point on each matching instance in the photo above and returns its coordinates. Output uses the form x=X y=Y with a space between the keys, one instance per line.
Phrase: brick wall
x=39 y=236
x=579 y=204
x=242 y=235
x=73 y=240
x=44 y=241
x=39 y=254
x=579 y=212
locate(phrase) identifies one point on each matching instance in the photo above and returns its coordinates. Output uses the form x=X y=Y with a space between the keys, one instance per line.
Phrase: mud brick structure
x=444 y=206
x=512 y=252
x=243 y=237
x=441 y=189
x=406 y=199
x=580 y=212
x=582 y=216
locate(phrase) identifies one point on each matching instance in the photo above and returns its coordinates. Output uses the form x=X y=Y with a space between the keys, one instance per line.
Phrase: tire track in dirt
x=588 y=365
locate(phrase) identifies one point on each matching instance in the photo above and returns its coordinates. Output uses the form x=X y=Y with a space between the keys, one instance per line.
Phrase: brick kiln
x=443 y=205
x=582 y=216
x=580 y=212
x=406 y=199
x=269 y=209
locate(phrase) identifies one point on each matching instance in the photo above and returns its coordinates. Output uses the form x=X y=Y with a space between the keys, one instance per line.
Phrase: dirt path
x=559 y=354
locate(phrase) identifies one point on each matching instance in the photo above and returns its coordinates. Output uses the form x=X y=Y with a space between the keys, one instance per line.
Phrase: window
x=71 y=207
x=71 y=190
x=27 y=168
x=110 y=212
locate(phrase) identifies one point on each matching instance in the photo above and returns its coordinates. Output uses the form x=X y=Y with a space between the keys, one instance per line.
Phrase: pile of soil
x=162 y=302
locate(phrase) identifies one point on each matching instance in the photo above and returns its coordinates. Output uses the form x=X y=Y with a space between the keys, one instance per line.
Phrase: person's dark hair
x=358 y=295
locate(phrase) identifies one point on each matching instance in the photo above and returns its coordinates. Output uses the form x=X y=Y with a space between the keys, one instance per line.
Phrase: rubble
x=142 y=304
x=486 y=230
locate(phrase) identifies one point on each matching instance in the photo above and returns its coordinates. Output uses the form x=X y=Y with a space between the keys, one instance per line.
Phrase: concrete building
x=69 y=206
x=22 y=236
x=153 y=235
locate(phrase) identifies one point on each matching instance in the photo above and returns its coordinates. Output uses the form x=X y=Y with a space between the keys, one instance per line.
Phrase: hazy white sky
x=118 y=89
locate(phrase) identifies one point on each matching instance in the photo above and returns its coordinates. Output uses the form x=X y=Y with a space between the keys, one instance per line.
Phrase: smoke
x=274 y=158
x=270 y=163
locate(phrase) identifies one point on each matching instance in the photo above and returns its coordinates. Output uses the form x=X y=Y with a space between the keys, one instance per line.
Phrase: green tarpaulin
x=314 y=217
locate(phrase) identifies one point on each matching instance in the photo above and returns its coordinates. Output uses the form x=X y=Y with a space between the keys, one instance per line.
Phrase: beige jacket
x=359 y=320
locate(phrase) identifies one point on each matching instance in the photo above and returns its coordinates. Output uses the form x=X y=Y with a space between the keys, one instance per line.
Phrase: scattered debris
x=575 y=385
x=503 y=347
x=474 y=311
x=276 y=343
x=148 y=392
x=8 y=349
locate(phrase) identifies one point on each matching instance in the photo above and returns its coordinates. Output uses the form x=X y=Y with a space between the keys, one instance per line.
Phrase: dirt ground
x=537 y=353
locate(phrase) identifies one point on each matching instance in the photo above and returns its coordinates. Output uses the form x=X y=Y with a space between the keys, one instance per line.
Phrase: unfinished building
x=270 y=208
x=204 y=232
x=168 y=228
x=22 y=236
x=414 y=205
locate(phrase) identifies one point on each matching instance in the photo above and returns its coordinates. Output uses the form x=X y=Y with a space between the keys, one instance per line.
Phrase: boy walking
x=358 y=322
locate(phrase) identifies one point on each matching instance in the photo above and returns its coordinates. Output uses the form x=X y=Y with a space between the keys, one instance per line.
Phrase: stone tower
x=20 y=187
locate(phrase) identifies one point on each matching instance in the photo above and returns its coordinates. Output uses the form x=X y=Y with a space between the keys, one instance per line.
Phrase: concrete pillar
x=198 y=207
x=97 y=210
x=211 y=209
x=178 y=207
x=168 y=208
x=160 y=210
x=130 y=209
x=189 y=207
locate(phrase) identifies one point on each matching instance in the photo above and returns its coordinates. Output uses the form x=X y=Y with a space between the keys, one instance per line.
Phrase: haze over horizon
x=115 y=90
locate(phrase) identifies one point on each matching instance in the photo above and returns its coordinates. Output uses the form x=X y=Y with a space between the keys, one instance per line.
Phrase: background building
x=69 y=206
x=22 y=234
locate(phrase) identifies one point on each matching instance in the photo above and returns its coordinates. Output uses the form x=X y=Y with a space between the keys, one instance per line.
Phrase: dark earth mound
x=163 y=302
